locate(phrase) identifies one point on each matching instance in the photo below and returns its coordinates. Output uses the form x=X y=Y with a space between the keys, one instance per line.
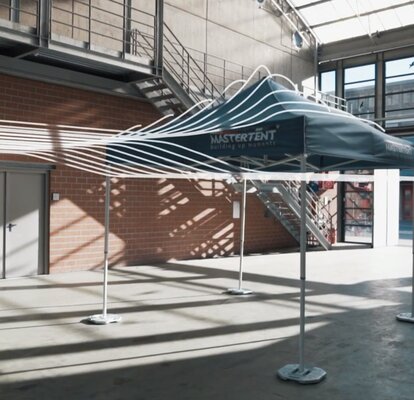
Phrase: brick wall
x=151 y=220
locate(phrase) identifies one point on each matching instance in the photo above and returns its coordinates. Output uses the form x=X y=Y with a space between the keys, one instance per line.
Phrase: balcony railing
x=103 y=26
x=22 y=16
x=118 y=28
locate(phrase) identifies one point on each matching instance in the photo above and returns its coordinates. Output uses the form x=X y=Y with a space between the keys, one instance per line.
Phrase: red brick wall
x=151 y=220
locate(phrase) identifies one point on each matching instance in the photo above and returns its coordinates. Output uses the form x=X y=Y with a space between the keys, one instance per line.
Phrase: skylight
x=334 y=20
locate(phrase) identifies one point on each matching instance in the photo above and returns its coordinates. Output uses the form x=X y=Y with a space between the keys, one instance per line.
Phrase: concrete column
x=15 y=10
x=393 y=214
x=386 y=207
x=127 y=28
x=340 y=79
x=159 y=36
x=44 y=22
x=379 y=88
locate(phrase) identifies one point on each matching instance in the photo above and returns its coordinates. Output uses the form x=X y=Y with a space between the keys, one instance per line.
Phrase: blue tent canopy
x=267 y=127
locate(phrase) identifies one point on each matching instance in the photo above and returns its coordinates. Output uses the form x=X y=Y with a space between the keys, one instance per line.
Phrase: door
x=23 y=224
x=358 y=212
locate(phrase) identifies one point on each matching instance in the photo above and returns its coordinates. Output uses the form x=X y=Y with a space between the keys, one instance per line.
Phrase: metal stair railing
x=185 y=69
x=282 y=199
x=178 y=63
x=325 y=98
x=272 y=206
x=318 y=218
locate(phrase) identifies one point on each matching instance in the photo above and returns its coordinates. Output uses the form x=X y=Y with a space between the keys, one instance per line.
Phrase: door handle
x=10 y=227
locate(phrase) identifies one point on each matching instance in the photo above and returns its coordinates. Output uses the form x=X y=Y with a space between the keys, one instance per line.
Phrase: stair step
x=171 y=106
x=153 y=88
x=157 y=99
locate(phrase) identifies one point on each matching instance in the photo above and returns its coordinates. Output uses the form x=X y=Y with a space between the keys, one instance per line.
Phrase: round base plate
x=291 y=372
x=238 y=292
x=406 y=317
x=100 y=319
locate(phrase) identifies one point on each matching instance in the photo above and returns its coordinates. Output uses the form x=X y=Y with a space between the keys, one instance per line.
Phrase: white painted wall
x=386 y=207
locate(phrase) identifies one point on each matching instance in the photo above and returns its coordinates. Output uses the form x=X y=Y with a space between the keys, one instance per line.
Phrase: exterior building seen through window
x=359 y=90
x=399 y=93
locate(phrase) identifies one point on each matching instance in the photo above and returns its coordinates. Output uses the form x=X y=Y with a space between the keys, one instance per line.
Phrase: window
x=399 y=93
x=358 y=207
x=328 y=82
x=359 y=90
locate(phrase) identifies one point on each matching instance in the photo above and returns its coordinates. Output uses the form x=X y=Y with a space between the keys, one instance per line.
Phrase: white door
x=23 y=224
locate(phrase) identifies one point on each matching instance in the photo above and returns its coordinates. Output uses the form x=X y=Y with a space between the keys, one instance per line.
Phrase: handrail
x=314 y=206
x=327 y=98
x=191 y=64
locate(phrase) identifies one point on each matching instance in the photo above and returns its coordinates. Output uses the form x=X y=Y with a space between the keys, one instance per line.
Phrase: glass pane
x=328 y=83
x=399 y=84
x=371 y=116
x=340 y=30
x=362 y=105
x=389 y=19
x=320 y=13
x=405 y=14
x=399 y=67
x=361 y=73
x=358 y=211
x=362 y=89
x=359 y=234
x=398 y=101
x=342 y=9
x=401 y=118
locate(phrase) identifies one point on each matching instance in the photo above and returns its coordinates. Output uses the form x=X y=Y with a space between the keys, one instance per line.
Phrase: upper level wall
x=240 y=32
x=236 y=31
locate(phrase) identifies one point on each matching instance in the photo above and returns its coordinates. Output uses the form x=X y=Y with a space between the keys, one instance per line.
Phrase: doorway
x=358 y=212
x=22 y=223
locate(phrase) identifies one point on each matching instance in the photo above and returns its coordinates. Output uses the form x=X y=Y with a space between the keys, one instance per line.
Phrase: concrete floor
x=182 y=338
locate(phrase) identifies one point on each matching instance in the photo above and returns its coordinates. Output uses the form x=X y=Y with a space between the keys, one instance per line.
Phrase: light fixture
x=297 y=40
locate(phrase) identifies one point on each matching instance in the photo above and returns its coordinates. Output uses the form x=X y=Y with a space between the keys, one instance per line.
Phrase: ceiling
x=335 y=20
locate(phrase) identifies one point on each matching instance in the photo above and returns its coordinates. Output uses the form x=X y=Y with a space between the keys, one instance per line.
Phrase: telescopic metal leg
x=240 y=291
x=299 y=372
x=105 y=318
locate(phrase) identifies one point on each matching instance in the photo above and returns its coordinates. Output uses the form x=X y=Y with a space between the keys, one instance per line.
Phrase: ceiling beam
x=288 y=10
x=395 y=39
x=315 y=3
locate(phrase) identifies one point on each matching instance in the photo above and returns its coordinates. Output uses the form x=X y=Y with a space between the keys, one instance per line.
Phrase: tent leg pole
x=105 y=318
x=240 y=290
x=106 y=244
x=303 y=234
x=409 y=316
x=299 y=372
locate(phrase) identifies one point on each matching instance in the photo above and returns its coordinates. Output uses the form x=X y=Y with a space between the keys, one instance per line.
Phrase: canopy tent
x=260 y=131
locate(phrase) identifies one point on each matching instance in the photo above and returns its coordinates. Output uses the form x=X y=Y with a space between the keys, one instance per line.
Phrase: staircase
x=182 y=82
x=282 y=199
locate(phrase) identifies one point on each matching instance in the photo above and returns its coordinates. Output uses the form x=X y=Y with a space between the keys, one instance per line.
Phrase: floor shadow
x=364 y=360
